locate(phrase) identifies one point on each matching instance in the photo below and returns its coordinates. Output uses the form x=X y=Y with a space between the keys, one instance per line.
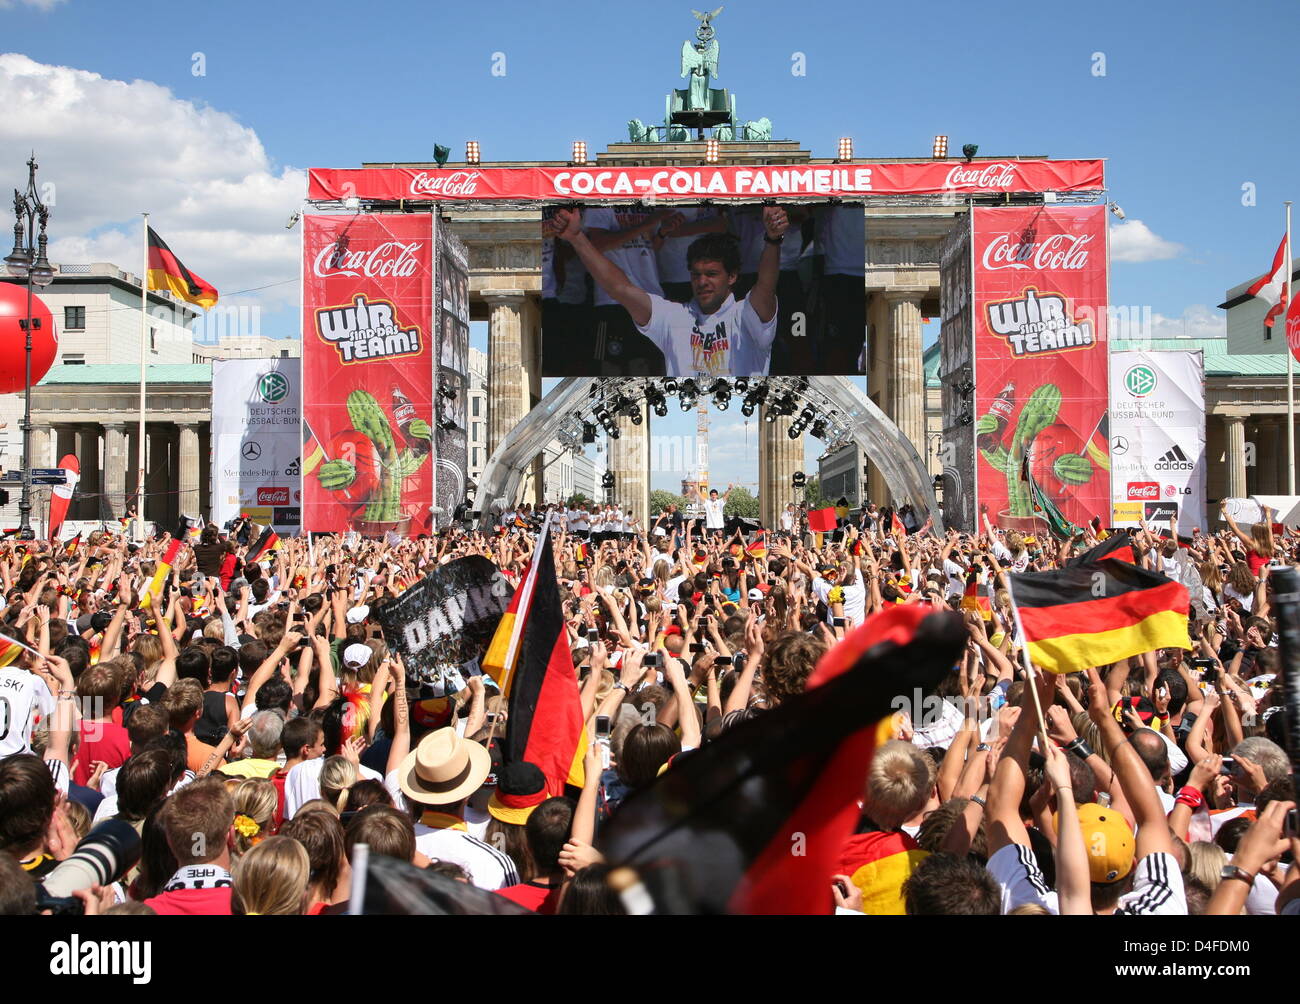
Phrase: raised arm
x=609 y=276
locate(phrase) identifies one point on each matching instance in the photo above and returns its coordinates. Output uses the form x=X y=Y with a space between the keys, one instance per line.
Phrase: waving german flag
x=1117 y=547
x=167 y=273
x=530 y=661
x=758 y=546
x=160 y=574
x=267 y=542
x=1093 y=615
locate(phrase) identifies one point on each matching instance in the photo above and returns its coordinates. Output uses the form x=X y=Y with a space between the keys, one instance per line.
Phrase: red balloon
x=45 y=340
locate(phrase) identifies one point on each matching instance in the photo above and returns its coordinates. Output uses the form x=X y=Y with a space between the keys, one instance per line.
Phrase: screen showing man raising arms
x=714 y=335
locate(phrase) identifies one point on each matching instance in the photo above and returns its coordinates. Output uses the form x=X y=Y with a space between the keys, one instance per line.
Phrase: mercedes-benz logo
x=251 y=451
x=1119 y=446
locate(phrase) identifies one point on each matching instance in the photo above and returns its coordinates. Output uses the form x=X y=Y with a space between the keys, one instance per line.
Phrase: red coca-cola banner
x=814 y=181
x=367 y=373
x=1041 y=363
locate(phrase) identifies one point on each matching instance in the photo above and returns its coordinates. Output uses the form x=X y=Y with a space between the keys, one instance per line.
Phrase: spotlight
x=293 y=220
x=770 y=416
x=607 y=480
x=940 y=151
x=636 y=417
x=579 y=152
x=588 y=432
x=807 y=415
x=968 y=151
x=471 y=152
x=795 y=431
x=446 y=424
x=799 y=479
x=846 y=148
x=1119 y=213
x=747 y=408
x=742 y=385
x=710 y=151
x=670 y=387
x=819 y=429
x=440 y=154
x=448 y=392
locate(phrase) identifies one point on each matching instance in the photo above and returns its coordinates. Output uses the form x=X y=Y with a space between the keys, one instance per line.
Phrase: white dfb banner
x=1157 y=438
x=256 y=442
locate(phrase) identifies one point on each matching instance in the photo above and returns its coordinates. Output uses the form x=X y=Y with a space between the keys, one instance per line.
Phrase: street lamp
x=28 y=260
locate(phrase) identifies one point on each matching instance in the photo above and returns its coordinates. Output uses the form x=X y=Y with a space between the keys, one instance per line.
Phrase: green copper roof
x=1218 y=360
x=128 y=373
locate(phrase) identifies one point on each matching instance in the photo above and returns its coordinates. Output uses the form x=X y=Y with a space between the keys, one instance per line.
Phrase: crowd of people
x=247 y=719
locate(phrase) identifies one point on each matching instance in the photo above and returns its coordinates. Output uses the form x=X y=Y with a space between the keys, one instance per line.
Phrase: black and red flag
x=166 y=272
x=530 y=660
x=1118 y=547
x=715 y=833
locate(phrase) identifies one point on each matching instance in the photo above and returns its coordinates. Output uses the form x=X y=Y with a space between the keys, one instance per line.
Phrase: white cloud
x=112 y=149
x=1198 y=321
x=44 y=6
x=1134 y=241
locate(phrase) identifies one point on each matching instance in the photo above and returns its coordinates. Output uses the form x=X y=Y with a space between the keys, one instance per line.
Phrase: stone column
x=188 y=456
x=779 y=457
x=115 y=465
x=629 y=462
x=1235 y=449
x=40 y=447
x=907 y=376
x=508 y=383
x=87 y=450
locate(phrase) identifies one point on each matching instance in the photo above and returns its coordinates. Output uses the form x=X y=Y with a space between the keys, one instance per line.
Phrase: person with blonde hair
x=271 y=879
x=1205 y=863
x=882 y=856
x=336 y=777
x=255 y=801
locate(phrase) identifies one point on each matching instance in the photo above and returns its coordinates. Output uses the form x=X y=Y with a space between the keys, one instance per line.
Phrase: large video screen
x=703 y=291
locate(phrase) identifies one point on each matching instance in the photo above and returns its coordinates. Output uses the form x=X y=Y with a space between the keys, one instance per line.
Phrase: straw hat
x=443 y=769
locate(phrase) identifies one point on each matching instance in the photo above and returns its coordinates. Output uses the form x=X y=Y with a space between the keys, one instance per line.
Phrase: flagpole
x=144 y=358
x=1032 y=682
x=1290 y=364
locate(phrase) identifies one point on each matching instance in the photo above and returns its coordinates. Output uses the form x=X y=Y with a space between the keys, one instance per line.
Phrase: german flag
x=580 y=553
x=1093 y=615
x=758 y=546
x=857 y=547
x=879 y=863
x=714 y=833
x=1117 y=547
x=530 y=661
x=11 y=649
x=160 y=574
x=976 y=598
x=312 y=452
x=521 y=523
x=167 y=273
x=896 y=526
x=1098 y=448
x=71 y=546
x=267 y=542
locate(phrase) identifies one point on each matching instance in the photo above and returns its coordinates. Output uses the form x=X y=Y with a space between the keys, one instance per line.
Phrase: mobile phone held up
x=602 y=739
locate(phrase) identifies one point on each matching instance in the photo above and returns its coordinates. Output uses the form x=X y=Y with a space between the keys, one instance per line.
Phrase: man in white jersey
x=714 y=516
x=714 y=335
x=24 y=698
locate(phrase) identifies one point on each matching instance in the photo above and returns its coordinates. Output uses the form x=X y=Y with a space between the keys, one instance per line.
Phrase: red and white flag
x=61 y=496
x=1272 y=287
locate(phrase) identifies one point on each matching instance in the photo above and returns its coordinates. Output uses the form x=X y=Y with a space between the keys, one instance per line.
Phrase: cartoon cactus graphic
x=1039 y=413
x=396 y=462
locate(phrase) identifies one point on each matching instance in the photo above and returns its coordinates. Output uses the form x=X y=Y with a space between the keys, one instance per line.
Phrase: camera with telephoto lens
x=103 y=856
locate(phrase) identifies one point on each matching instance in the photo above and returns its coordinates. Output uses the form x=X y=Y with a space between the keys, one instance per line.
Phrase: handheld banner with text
x=368 y=358
x=442 y=625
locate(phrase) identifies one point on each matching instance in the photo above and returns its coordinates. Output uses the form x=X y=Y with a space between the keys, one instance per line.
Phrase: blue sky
x=1192 y=105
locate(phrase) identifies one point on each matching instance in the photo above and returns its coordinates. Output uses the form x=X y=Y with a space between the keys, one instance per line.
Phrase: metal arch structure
x=850 y=414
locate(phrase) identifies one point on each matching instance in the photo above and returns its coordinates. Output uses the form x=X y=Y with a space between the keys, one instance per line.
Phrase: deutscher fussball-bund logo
x=1140 y=380
x=273 y=388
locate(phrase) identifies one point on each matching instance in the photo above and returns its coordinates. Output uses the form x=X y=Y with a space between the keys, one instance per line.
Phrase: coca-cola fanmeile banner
x=1041 y=389
x=552 y=183
x=367 y=365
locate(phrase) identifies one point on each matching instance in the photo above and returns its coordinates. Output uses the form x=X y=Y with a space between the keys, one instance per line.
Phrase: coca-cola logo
x=273 y=496
x=983 y=176
x=392 y=259
x=1140 y=491
x=1064 y=252
x=452 y=183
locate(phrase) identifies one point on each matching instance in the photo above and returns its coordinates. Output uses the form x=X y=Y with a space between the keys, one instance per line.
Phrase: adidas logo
x=1175 y=460
x=293 y=469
